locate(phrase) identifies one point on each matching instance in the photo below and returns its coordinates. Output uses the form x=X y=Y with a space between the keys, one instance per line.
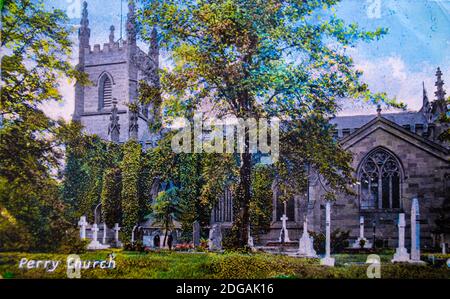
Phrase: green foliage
x=130 y=167
x=165 y=210
x=190 y=183
x=339 y=241
x=39 y=48
x=88 y=158
x=12 y=235
x=216 y=266
x=262 y=59
x=36 y=51
x=71 y=243
x=110 y=197
x=444 y=119
x=262 y=195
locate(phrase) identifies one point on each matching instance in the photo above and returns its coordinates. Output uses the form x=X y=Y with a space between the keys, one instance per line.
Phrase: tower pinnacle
x=131 y=23
x=111 y=34
x=84 y=32
x=440 y=93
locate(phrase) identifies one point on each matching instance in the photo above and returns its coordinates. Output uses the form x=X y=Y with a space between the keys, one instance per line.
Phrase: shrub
x=339 y=241
x=71 y=243
x=13 y=236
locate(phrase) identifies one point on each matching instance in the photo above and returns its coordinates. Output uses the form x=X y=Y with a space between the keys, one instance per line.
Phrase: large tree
x=260 y=58
x=35 y=54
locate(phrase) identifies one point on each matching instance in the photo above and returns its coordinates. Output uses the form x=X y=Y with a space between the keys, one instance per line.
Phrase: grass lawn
x=214 y=265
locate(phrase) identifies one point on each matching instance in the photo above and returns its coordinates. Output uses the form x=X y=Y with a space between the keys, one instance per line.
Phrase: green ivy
x=110 y=197
x=130 y=167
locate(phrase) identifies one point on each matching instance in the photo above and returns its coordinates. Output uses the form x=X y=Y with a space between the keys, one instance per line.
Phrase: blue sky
x=418 y=42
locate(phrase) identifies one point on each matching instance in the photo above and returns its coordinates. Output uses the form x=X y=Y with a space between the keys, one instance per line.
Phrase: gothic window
x=105 y=92
x=380 y=178
x=223 y=210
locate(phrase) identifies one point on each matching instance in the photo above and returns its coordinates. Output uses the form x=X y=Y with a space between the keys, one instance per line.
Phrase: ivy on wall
x=111 y=196
x=130 y=167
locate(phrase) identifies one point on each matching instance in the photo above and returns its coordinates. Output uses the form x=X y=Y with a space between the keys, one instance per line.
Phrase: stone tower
x=115 y=71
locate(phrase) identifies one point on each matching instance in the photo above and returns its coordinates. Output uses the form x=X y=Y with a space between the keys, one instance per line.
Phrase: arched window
x=380 y=178
x=105 y=92
x=223 y=209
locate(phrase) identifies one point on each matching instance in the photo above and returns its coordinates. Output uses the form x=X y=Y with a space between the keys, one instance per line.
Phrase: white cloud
x=392 y=75
x=63 y=109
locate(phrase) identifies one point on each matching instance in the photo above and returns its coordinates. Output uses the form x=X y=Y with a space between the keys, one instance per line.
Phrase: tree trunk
x=165 y=235
x=243 y=195
x=244 y=191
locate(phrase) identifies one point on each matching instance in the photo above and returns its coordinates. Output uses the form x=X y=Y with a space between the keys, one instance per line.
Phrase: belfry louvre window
x=380 y=179
x=105 y=92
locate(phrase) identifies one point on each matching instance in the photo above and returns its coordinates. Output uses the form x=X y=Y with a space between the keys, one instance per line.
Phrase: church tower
x=109 y=106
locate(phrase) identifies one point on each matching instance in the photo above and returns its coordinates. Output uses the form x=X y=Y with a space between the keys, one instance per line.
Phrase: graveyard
x=105 y=256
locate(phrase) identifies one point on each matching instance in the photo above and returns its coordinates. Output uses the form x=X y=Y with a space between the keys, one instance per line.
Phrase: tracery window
x=380 y=178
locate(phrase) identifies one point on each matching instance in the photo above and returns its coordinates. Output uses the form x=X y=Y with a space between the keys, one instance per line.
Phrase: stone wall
x=424 y=171
x=425 y=165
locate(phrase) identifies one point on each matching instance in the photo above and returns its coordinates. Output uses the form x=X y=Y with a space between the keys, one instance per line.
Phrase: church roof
x=384 y=123
x=357 y=121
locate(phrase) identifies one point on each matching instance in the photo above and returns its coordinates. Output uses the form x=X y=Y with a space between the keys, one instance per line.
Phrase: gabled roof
x=357 y=121
x=382 y=123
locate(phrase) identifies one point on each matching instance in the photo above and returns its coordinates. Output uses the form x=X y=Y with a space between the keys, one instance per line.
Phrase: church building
x=396 y=156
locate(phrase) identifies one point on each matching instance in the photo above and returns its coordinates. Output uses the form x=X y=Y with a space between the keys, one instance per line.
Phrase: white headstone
x=357 y=243
x=401 y=253
x=306 y=243
x=94 y=232
x=250 y=239
x=327 y=260
x=284 y=235
x=82 y=223
x=132 y=234
x=95 y=244
x=104 y=233
x=443 y=244
x=415 y=231
x=116 y=235
x=215 y=237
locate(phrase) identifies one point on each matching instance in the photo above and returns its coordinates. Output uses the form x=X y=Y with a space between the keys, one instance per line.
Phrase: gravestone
x=357 y=243
x=415 y=232
x=196 y=233
x=401 y=253
x=104 y=233
x=95 y=244
x=116 y=235
x=82 y=224
x=284 y=235
x=327 y=260
x=132 y=234
x=306 y=244
x=215 y=238
x=250 y=242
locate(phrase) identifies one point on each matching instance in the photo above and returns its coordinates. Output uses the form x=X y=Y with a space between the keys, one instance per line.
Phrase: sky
x=417 y=43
